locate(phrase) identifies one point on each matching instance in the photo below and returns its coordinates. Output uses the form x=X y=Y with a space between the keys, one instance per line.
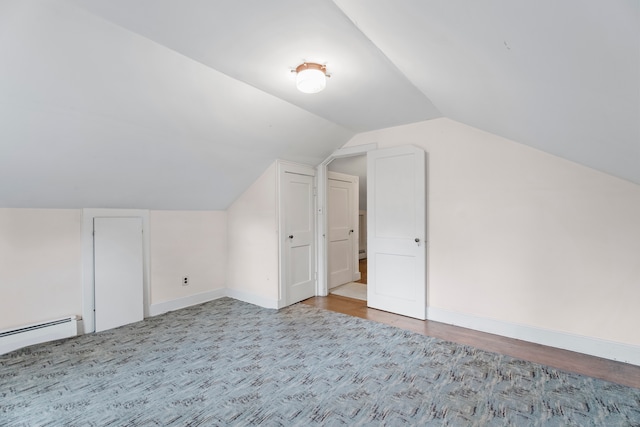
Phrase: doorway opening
x=346 y=227
x=342 y=161
x=88 y=260
x=396 y=228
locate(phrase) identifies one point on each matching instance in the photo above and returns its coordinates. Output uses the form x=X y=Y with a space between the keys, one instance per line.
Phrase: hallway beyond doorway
x=356 y=289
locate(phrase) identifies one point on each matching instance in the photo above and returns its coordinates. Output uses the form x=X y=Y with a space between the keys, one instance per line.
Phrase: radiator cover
x=13 y=339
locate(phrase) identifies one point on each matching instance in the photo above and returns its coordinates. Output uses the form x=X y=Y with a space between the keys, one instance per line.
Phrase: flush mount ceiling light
x=311 y=77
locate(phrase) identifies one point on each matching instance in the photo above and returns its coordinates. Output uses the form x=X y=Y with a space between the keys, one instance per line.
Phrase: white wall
x=41 y=262
x=40 y=265
x=252 y=269
x=520 y=236
x=187 y=243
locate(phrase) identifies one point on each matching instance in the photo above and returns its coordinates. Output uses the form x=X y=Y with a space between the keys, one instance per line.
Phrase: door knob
x=291 y=236
x=350 y=231
x=417 y=240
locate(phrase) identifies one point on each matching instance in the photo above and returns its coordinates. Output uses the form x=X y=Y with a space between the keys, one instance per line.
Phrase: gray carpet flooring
x=231 y=363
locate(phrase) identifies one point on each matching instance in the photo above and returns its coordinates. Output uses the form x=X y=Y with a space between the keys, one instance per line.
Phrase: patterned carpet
x=231 y=363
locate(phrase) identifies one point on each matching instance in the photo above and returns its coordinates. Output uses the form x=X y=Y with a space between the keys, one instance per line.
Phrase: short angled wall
x=252 y=241
x=176 y=304
x=252 y=298
x=189 y=244
x=40 y=265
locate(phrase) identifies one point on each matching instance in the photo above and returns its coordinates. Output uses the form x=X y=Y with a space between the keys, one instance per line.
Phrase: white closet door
x=299 y=236
x=118 y=272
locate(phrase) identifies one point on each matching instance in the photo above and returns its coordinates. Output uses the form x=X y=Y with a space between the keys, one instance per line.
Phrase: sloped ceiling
x=560 y=76
x=164 y=104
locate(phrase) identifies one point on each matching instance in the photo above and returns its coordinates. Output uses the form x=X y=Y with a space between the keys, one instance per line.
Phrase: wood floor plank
x=609 y=370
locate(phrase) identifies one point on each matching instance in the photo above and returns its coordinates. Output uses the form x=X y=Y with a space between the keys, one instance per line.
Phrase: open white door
x=298 y=238
x=396 y=231
x=342 y=216
x=118 y=258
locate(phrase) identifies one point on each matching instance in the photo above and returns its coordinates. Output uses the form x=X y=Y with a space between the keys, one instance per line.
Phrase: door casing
x=88 y=287
x=322 y=252
x=322 y=218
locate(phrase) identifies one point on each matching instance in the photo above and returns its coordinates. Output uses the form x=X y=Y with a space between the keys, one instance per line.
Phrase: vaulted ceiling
x=166 y=104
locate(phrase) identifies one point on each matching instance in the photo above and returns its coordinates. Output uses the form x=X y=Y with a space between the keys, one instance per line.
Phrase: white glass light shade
x=311 y=80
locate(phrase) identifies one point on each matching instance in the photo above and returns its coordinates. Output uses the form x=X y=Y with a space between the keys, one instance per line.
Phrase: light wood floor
x=621 y=373
x=362 y=267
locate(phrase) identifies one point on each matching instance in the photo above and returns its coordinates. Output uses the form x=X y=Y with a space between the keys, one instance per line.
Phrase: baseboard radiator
x=13 y=339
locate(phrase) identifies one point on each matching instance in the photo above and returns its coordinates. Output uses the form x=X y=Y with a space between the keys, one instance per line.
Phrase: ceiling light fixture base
x=311 y=77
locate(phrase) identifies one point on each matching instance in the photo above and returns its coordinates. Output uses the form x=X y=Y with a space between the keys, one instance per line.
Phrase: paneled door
x=118 y=271
x=298 y=234
x=396 y=230
x=342 y=222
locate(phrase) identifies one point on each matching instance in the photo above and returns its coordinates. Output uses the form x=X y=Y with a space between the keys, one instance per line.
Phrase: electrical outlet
x=185 y=280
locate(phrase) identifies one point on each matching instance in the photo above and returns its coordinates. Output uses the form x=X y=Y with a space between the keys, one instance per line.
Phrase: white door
x=396 y=231
x=118 y=269
x=298 y=236
x=342 y=219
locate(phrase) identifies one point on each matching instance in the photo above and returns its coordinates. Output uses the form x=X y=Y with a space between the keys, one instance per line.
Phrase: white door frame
x=358 y=150
x=88 y=286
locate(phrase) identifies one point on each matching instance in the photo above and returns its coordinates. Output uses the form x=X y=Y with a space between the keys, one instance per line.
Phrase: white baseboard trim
x=176 y=304
x=582 y=344
x=200 y=298
x=80 y=326
x=252 y=298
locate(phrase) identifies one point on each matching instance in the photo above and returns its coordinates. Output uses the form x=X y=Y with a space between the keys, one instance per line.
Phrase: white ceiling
x=166 y=104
